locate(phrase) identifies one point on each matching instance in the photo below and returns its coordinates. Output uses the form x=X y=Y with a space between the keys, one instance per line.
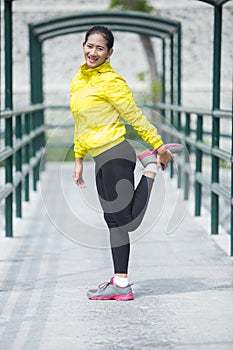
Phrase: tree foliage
x=135 y=5
x=142 y=6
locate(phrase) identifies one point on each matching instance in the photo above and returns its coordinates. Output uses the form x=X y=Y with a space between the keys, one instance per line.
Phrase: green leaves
x=134 y=5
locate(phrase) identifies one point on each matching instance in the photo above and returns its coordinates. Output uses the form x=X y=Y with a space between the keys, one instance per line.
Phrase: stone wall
x=63 y=55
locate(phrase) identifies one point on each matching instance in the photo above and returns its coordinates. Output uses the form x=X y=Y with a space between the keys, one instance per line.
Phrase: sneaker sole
x=113 y=297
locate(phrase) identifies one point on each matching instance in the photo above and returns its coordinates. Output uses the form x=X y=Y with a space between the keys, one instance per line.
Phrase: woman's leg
x=120 y=247
x=119 y=239
x=123 y=206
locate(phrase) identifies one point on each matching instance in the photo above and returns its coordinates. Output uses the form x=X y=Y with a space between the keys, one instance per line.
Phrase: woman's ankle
x=121 y=281
x=123 y=275
x=149 y=174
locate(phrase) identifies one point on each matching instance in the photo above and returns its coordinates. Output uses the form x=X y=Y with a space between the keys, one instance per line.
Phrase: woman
x=99 y=98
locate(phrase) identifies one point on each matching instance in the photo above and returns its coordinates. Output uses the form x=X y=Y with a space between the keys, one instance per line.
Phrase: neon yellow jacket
x=99 y=98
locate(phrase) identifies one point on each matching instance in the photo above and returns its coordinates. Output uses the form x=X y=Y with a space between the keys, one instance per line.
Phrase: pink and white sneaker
x=111 y=291
x=149 y=156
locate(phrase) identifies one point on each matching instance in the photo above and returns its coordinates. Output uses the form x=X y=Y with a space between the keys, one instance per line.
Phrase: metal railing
x=200 y=130
x=21 y=155
x=208 y=155
x=198 y=169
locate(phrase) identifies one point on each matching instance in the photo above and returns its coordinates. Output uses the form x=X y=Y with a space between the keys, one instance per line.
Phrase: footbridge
x=42 y=271
x=24 y=130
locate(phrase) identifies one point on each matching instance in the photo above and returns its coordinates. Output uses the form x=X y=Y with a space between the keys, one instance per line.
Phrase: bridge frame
x=170 y=33
x=134 y=22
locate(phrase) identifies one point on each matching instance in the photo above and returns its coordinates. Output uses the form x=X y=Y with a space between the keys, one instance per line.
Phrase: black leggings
x=123 y=205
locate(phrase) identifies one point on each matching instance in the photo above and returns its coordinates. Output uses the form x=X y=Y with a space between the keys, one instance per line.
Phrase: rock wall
x=63 y=55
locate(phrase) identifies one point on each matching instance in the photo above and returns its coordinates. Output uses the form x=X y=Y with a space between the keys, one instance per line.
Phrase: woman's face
x=95 y=50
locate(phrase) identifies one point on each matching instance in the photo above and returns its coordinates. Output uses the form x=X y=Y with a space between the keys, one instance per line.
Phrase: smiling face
x=96 y=50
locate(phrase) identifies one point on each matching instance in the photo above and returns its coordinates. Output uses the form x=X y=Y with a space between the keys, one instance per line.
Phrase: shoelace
x=104 y=285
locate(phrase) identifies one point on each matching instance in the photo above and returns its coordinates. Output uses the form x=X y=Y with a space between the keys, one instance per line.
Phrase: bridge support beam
x=216 y=120
x=8 y=122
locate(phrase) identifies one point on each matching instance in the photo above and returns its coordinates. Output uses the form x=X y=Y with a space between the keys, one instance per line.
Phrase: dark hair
x=107 y=34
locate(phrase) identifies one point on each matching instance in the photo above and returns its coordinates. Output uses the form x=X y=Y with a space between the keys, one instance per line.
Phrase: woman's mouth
x=93 y=59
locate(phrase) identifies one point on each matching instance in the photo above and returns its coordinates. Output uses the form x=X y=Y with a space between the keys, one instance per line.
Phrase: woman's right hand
x=164 y=157
x=77 y=173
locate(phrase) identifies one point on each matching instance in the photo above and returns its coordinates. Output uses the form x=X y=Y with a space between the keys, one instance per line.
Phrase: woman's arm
x=120 y=96
x=122 y=99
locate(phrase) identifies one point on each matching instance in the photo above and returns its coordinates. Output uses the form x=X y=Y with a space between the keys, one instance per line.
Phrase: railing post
x=215 y=120
x=36 y=74
x=198 y=186
x=36 y=81
x=172 y=91
x=179 y=77
x=164 y=71
x=34 y=150
x=9 y=178
x=186 y=174
x=26 y=156
x=231 y=227
x=18 y=165
x=172 y=78
x=8 y=123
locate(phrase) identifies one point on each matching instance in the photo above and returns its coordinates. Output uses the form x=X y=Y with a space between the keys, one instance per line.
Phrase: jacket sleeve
x=120 y=96
x=79 y=150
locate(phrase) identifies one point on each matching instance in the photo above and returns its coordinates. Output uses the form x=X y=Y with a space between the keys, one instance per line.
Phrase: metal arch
x=127 y=14
x=113 y=27
x=215 y=2
x=130 y=21
x=139 y=23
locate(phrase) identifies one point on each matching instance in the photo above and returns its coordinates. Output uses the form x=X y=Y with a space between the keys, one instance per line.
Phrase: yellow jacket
x=99 y=98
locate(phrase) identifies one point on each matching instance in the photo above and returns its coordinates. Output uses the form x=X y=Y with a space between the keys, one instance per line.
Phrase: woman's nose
x=93 y=51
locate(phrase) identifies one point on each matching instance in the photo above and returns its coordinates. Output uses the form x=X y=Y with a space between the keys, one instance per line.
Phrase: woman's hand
x=164 y=156
x=77 y=173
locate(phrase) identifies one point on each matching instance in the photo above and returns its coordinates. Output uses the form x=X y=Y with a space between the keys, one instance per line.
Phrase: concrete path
x=183 y=281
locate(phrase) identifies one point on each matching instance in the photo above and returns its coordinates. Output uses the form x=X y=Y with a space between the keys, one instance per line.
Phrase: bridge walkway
x=182 y=278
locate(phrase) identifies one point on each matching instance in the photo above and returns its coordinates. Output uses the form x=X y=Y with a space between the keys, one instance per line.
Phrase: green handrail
x=29 y=140
x=22 y=154
x=194 y=140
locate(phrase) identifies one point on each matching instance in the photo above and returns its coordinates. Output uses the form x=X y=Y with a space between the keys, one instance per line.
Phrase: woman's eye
x=89 y=46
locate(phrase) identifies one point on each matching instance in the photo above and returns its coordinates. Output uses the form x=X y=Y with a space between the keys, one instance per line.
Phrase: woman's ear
x=110 y=52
